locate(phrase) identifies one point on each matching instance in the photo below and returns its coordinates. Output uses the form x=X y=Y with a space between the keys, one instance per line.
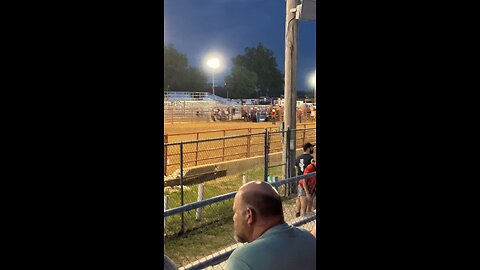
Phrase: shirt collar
x=275 y=229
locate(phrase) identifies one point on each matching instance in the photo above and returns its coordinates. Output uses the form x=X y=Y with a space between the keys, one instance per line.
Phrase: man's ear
x=251 y=216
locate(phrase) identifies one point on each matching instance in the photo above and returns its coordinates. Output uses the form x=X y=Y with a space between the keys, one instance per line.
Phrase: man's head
x=308 y=148
x=256 y=208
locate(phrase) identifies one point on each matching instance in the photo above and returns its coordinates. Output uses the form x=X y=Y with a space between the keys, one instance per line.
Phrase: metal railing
x=195 y=205
x=177 y=137
x=197 y=96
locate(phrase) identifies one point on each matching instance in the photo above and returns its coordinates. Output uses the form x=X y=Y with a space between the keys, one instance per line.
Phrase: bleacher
x=183 y=106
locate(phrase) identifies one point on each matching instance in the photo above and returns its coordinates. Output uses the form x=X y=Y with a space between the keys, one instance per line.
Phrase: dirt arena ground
x=175 y=128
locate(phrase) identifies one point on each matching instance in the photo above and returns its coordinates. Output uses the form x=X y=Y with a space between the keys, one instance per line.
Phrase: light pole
x=291 y=56
x=214 y=64
x=226 y=89
x=313 y=83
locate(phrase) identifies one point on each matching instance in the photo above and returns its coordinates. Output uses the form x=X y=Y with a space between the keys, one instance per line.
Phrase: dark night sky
x=196 y=28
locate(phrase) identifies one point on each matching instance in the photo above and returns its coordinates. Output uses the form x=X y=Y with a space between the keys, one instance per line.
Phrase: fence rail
x=195 y=205
x=194 y=114
x=224 y=131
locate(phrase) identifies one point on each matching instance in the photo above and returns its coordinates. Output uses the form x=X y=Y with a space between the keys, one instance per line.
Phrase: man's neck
x=262 y=229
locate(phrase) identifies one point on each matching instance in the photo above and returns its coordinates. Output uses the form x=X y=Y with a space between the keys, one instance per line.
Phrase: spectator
x=311 y=186
x=225 y=114
x=257 y=115
x=306 y=189
x=307 y=113
x=273 y=244
x=212 y=116
x=274 y=116
x=245 y=113
x=168 y=264
x=301 y=163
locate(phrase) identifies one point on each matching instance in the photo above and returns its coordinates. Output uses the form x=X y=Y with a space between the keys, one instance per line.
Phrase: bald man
x=271 y=243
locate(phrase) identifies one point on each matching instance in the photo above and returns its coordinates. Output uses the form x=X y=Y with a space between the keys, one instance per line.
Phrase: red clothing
x=312 y=181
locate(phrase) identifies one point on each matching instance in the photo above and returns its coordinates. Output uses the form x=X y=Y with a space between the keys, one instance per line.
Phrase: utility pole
x=291 y=41
x=213 y=83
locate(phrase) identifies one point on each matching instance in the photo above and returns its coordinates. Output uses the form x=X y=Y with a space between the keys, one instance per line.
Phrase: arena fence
x=199 y=148
x=189 y=114
x=197 y=96
x=207 y=240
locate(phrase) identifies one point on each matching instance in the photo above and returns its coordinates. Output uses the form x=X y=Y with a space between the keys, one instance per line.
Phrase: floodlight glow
x=213 y=63
x=313 y=79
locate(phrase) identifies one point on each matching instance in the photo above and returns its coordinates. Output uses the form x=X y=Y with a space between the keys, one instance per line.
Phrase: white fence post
x=198 y=216
x=244 y=179
x=165 y=207
x=275 y=179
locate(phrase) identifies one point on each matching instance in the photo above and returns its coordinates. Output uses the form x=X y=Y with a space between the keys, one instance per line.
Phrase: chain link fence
x=227 y=145
x=214 y=169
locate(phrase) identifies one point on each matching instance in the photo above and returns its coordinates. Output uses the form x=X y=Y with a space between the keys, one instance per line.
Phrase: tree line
x=254 y=73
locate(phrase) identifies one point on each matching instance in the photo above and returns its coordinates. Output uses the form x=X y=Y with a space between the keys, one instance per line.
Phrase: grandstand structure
x=195 y=106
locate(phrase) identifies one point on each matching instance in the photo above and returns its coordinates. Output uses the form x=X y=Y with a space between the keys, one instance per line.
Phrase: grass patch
x=191 y=247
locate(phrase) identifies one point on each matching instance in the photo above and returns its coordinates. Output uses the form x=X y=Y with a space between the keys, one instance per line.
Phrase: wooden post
x=291 y=49
x=198 y=215
x=304 y=128
x=244 y=179
x=196 y=152
x=249 y=137
x=223 y=154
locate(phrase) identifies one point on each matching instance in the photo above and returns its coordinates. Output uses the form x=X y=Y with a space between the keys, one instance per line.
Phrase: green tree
x=262 y=62
x=178 y=75
x=241 y=83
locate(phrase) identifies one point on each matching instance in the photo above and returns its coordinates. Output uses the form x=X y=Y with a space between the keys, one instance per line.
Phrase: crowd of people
x=306 y=113
x=222 y=114
x=274 y=113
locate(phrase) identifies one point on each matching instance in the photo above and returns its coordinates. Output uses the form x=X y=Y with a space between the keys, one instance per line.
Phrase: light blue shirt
x=282 y=247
